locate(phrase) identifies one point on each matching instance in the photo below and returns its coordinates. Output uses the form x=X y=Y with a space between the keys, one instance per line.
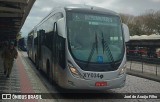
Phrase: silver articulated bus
x=81 y=47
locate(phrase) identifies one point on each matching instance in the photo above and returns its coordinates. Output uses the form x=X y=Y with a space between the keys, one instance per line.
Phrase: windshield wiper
x=103 y=42
x=94 y=45
x=106 y=47
x=96 y=42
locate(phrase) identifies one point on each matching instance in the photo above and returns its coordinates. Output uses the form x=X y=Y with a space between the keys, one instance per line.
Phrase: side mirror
x=61 y=27
x=55 y=28
x=126 y=32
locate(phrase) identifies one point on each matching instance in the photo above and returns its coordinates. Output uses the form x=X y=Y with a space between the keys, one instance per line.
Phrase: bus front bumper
x=77 y=83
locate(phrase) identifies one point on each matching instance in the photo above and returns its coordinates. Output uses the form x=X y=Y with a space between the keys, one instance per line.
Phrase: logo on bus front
x=100 y=59
x=93 y=75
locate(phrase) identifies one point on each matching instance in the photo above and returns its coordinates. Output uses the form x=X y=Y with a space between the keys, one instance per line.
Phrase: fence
x=144 y=64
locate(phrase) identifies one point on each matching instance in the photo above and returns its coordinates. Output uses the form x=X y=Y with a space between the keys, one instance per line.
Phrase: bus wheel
x=28 y=54
x=36 y=62
x=48 y=69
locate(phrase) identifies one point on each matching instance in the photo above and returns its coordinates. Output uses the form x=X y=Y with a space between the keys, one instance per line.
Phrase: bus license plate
x=101 y=84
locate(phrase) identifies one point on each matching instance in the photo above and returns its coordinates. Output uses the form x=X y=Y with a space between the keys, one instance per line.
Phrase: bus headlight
x=123 y=70
x=74 y=71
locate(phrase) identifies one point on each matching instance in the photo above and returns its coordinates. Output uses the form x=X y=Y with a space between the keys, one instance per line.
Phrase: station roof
x=145 y=37
x=13 y=14
x=144 y=40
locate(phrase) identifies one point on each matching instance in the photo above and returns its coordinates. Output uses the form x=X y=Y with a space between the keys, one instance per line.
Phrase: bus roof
x=79 y=7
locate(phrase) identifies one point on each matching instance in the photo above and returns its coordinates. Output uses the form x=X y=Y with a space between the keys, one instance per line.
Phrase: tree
x=145 y=24
x=157 y=22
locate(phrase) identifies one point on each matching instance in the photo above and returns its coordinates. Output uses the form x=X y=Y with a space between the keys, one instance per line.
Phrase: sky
x=41 y=8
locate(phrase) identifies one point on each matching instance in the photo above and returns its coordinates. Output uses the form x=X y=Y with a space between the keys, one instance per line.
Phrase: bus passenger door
x=39 y=50
x=58 y=53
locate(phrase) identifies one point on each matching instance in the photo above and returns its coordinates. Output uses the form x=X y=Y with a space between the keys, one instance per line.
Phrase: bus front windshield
x=95 y=38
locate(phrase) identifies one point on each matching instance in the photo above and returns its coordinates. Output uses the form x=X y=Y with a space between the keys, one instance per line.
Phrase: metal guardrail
x=144 y=59
x=144 y=64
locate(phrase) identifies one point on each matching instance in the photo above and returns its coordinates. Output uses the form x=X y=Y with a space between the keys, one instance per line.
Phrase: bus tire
x=36 y=62
x=48 y=69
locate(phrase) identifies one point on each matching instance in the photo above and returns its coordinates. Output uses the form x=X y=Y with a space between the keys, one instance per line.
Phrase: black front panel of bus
x=98 y=67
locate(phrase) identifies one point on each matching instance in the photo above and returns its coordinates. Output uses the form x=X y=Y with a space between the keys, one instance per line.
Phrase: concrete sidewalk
x=22 y=80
